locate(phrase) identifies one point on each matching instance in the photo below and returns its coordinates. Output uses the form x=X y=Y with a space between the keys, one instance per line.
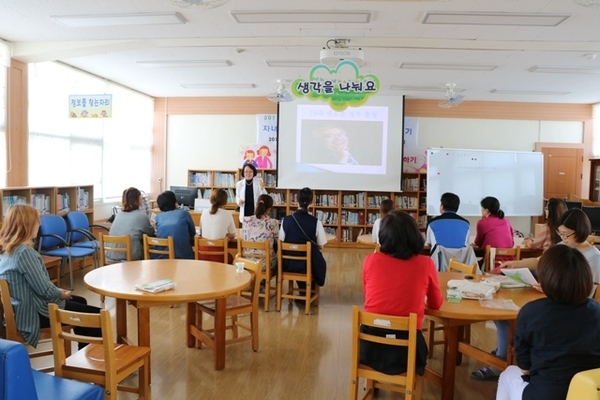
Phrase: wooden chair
x=8 y=329
x=514 y=252
x=116 y=244
x=299 y=252
x=453 y=266
x=102 y=362
x=236 y=305
x=585 y=385
x=211 y=249
x=162 y=247
x=261 y=251
x=409 y=382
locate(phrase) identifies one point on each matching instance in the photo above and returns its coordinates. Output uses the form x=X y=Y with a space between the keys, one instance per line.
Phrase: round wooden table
x=455 y=316
x=196 y=280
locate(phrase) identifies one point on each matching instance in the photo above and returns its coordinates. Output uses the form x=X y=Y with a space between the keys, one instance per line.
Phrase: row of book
x=371 y=218
x=270 y=180
x=83 y=199
x=326 y=200
x=375 y=201
x=224 y=179
x=347 y=235
x=353 y=218
x=201 y=179
x=327 y=217
x=278 y=198
x=406 y=202
x=410 y=184
x=353 y=200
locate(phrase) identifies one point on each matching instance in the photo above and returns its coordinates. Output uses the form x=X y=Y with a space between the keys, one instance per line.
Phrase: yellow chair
x=115 y=244
x=585 y=385
x=211 y=249
x=455 y=266
x=514 y=252
x=298 y=252
x=236 y=305
x=102 y=362
x=159 y=246
x=261 y=251
x=409 y=382
x=8 y=329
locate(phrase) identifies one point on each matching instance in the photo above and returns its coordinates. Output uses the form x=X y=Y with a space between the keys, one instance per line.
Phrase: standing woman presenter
x=247 y=191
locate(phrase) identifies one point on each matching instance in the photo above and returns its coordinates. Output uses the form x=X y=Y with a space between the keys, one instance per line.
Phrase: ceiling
x=395 y=34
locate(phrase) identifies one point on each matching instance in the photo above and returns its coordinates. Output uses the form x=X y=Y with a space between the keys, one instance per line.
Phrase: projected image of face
x=336 y=141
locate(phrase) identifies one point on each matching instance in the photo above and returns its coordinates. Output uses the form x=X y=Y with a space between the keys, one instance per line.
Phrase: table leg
x=220 y=306
x=450 y=358
x=121 y=319
x=144 y=333
x=190 y=318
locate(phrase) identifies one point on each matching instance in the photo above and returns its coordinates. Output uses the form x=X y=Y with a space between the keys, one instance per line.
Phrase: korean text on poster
x=90 y=106
x=266 y=129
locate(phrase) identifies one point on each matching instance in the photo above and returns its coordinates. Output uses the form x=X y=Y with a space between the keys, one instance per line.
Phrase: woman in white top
x=247 y=191
x=384 y=208
x=217 y=222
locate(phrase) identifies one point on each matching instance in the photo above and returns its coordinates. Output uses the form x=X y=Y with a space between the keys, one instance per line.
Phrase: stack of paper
x=521 y=275
x=156 y=286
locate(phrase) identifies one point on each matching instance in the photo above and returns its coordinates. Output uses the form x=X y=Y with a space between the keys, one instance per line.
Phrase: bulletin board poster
x=90 y=106
x=266 y=130
x=262 y=156
x=414 y=158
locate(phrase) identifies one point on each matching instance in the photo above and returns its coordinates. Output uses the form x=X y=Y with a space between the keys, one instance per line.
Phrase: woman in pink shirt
x=398 y=281
x=493 y=229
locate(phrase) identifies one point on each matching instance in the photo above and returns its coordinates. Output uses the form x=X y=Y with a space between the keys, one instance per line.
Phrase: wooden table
x=196 y=280
x=455 y=316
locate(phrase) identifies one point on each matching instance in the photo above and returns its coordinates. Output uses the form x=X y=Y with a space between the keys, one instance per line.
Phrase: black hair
x=166 y=201
x=576 y=220
x=305 y=197
x=556 y=208
x=493 y=206
x=450 y=201
x=264 y=203
x=565 y=275
x=399 y=235
x=218 y=198
x=252 y=167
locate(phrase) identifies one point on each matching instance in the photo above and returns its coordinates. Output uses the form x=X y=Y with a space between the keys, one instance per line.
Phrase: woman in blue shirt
x=175 y=222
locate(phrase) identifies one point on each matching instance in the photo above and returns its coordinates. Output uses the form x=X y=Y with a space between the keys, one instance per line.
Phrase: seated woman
x=177 y=223
x=385 y=207
x=261 y=227
x=130 y=221
x=398 y=281
x=217 y=223
x=493 y=229
x=547 y=236
x=29 y=283
x=547 y=357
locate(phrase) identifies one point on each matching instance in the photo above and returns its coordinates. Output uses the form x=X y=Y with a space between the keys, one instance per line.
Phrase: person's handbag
x=319 y=266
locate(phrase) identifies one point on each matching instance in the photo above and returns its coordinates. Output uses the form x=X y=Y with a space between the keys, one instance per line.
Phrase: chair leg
x=144 y=380
x=267 y=290
x=307 y=296
x=254 y=328
x=278 y=294
x=234 y=326
x=199 y=325
x=317 y=292
x=430 y=337
x=71 y=273
x=290 y=289
x=353 y=388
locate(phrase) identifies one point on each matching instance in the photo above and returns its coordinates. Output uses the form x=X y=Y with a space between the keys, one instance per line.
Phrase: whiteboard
x=516 y=179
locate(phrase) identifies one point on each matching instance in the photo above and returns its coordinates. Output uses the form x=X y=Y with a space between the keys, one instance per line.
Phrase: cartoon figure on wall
x=263 y=159
x=260 y=155
x=249 y=158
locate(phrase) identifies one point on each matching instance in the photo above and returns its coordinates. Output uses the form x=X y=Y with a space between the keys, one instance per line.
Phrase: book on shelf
x=270 y=179
x=41 y=203
x=200 y=179
x=83 y=199
x=9 y=201
x=278 y=198
x=410 y=184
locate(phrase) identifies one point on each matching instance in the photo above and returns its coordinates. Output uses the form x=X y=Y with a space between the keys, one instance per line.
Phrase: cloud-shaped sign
x=342 y=86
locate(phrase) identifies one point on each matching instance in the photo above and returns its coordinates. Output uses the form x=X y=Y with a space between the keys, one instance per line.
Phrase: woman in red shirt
x=398 y=281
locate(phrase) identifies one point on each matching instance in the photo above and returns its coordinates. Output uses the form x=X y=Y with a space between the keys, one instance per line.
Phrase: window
x=110 y=153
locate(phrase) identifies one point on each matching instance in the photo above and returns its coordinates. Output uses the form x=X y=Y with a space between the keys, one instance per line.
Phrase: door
x=562 y=171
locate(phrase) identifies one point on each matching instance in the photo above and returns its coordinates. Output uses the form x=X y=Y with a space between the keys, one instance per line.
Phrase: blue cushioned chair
x=80 y=235
x=18 y=381
x=53 y=242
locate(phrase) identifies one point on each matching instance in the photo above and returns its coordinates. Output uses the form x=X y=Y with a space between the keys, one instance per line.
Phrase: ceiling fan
x=280 y=94
x=452 y=99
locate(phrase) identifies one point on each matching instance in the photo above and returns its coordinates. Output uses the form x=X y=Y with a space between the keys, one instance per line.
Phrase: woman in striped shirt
x=29 y=283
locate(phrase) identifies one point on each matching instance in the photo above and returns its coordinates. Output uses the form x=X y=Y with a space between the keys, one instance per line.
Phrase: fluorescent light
x=565 y=70
x=184 y=64
x=494 y=18
x=290 y=63
x=86 y=21
x=297 y=17
x=451 y=67
x=528 y=92
x=423 y=88
x=218 y=85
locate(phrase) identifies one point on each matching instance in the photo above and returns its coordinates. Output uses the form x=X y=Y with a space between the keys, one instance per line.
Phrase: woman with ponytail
x=217 y=222
x=493 y=229
x=260 y=227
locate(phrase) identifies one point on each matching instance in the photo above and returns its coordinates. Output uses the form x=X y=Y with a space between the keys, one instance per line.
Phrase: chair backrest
x=76 y=220
x=377 y=248
x=585 y=385
x=16 y=376
x=52 y=225
x=254 y=268
x=119 y=244
x=8 y=329
x=455 y=266
x=88 y=320
x=162 y=247
x=408 y=324
x=506 y=253
x=295 y=255
x=260 y=251
x=211 y=249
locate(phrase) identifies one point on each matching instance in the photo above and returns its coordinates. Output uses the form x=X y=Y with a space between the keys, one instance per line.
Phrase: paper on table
x=520 y=275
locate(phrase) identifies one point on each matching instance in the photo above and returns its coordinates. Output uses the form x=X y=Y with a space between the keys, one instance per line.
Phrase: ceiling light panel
x=408 y=88
x=185 y=64
x=86 y=21
x=296 y=17
x=218 y=85
x=291 y=63
x=494 y=18
x=565 y=70
x=528 y=92
x=449 y=67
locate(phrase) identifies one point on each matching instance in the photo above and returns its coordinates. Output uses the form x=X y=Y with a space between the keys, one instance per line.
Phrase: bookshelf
x=51 y=199
x=343 y=213
x=207 y=180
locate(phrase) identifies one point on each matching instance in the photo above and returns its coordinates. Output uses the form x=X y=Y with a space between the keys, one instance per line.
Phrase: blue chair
x=53 y=242
x=80 y=234
x=18 y=381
